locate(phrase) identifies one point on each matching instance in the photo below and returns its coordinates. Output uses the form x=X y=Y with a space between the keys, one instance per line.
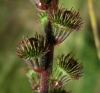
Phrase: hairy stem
x=46 y=73
x=44 y=82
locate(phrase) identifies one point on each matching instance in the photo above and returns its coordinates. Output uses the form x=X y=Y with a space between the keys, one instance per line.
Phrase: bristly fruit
x=70 y=65
x=67 y=69
x=64 y=22
x=46 y=5
x=39 y=5
x=33 y=51
x=33 y=78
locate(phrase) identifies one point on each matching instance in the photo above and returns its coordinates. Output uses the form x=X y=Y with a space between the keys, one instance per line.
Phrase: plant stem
x=94 y=26
x=44 y=83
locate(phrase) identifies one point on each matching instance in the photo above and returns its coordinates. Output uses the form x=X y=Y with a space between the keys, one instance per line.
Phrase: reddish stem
x=45 y=76
x=46 y=73
x=44 y=82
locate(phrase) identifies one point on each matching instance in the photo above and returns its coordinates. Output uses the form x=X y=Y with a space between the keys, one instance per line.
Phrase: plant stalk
x=45 y=76
x=94 y=27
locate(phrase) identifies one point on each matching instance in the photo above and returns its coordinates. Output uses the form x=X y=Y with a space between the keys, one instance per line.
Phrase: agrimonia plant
x=38 y=51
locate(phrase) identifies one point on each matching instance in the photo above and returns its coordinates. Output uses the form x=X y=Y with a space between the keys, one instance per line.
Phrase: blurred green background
x=19 y=18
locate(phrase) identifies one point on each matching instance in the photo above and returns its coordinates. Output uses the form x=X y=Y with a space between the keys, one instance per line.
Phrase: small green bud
x=34 y=79
x=43 y=17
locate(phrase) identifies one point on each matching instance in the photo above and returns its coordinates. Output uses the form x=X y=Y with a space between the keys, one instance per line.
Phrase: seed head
x=67 y=69
x=33 y=51
x=64 y=22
